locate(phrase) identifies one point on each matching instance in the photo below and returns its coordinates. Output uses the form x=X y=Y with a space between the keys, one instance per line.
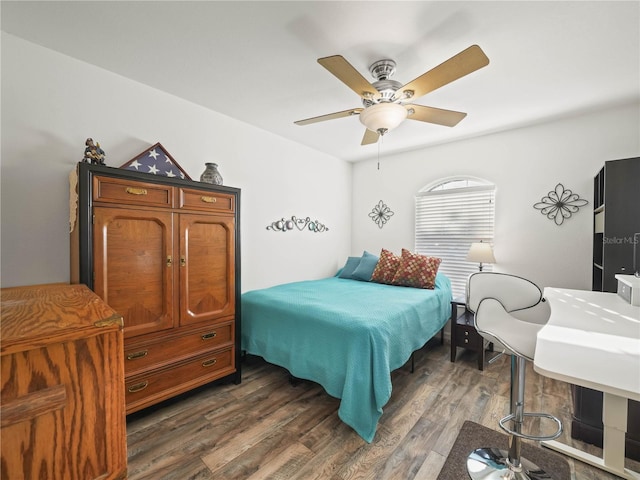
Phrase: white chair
x=508 y=313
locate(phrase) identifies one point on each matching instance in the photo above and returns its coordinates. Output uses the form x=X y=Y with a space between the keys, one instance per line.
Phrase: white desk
x=593 y=339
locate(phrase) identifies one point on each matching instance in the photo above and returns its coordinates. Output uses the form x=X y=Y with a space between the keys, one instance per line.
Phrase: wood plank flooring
x=266 y=428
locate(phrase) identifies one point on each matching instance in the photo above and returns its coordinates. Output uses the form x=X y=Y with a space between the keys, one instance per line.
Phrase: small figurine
x=100 y=154
x=93 y=153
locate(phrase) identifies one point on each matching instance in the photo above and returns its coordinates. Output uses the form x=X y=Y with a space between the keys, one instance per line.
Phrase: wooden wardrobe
x=165 y=254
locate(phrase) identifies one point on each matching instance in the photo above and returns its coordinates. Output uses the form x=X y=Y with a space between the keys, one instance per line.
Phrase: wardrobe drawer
x=203 y=200
x=131 y=192
x=146 y=389
x=145 y=355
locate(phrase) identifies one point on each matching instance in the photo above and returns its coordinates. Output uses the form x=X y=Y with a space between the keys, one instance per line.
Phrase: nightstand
x=464 y=334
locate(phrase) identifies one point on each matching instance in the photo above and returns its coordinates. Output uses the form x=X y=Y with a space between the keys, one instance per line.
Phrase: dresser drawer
x=153 y=354
x=131 y=192
x=147 y=389
x=203 y=200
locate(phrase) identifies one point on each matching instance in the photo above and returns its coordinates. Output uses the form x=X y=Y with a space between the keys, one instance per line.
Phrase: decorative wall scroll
x=301 y=224
x=380 y=214
x=559 y=204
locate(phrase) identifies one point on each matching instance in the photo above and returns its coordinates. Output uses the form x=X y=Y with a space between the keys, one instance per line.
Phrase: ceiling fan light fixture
x=384 y=101
x=385 y=116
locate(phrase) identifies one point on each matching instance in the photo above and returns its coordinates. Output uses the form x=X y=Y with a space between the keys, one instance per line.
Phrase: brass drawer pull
x=136 y=191
x=169 y=260
x=209 y=199
x=183 y=261
x=209 y=363
x=140 y=354
x=137 y=387
x=209 y=335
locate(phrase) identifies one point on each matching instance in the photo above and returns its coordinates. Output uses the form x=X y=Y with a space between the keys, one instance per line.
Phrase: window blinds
x=448 y=221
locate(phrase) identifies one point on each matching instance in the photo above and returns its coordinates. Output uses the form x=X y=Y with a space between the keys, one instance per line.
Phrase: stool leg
x=494 y=464
x=517 y=408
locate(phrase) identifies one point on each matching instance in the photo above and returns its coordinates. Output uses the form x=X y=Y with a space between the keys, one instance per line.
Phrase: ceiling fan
x=384 y=101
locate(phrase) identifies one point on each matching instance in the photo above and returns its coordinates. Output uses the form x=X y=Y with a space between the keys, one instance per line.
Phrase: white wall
x=51 y=103
x=524 y=164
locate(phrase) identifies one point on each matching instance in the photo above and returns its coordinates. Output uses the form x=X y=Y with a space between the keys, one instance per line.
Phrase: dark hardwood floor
x=266 y=428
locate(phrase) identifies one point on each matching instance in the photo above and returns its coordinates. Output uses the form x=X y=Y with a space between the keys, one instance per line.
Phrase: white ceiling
x=256 y=61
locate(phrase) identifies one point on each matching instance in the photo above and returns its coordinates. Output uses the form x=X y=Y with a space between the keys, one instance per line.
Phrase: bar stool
x=505 y=315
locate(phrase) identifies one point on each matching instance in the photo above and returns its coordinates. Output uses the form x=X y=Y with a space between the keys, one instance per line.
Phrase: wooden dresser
x=163 y=252
x=62 y=399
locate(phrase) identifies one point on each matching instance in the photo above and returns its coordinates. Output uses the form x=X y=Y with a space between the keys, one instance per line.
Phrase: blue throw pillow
x=365 y=268
x=349 y=267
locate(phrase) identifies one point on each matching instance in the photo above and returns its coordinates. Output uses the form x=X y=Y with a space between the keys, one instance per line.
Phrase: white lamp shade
x=481 y=252
x=386 y=116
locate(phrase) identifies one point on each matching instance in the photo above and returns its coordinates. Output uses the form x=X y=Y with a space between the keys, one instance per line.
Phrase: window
x=450 y=215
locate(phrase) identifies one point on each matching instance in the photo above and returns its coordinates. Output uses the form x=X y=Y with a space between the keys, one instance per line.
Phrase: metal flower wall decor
x=380 y=214
x=284 y=225
x=560 y=204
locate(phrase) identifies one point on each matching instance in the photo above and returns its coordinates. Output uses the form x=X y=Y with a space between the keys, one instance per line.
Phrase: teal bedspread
x=346 y=335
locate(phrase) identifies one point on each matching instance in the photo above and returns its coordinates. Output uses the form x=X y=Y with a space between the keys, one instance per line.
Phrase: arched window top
x=454 y=183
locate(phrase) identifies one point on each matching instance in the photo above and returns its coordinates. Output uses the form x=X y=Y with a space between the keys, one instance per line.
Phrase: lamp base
x=492 y=464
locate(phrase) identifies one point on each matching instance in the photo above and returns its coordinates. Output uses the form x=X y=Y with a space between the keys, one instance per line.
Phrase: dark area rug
x=473 y=435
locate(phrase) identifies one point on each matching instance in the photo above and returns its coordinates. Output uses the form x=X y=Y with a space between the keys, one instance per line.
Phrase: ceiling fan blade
x=348 y=75
x=370 y=137
x=464 y=63
x=448 y=118
x=329 y=116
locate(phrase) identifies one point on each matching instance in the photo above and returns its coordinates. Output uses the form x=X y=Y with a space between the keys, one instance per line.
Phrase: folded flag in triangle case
x=156 y=161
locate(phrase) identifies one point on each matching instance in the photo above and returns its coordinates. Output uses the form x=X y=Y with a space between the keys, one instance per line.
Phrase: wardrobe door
x=207 y=273
x=134 y=266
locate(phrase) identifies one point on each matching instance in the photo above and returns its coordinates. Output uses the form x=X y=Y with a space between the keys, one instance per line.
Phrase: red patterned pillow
x=416 y=270
x=386 y=267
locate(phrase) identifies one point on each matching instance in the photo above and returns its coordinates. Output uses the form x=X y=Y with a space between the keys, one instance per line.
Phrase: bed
x=344 y=334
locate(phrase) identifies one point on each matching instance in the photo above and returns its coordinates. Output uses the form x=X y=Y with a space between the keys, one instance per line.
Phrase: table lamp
x=481 y=252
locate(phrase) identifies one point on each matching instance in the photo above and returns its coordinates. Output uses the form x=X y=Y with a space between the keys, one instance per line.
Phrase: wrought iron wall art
x=559 y=204
x=284 y=225
x=380 y=214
